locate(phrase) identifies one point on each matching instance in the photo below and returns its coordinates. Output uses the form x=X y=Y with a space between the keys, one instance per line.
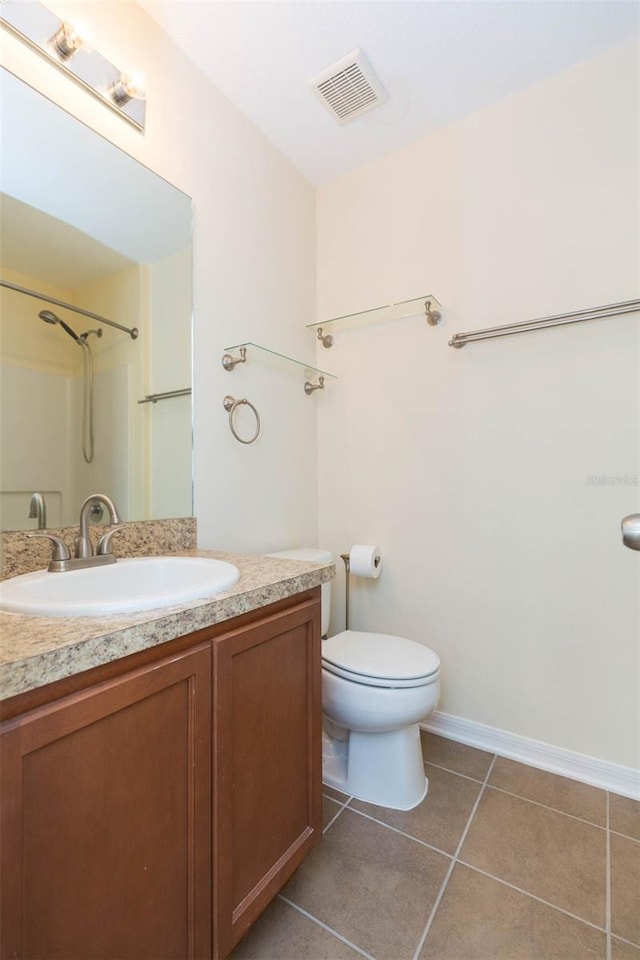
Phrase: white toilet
x=376 y=688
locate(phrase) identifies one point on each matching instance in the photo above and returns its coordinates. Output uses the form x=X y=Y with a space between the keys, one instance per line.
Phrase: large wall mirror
x=84 y=224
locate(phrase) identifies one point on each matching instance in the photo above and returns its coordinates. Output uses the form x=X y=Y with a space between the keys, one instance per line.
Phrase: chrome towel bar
x=592 y=313
x=154 y=397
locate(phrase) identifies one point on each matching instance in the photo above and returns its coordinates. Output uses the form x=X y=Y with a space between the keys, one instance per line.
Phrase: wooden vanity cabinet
x=267 y=764
x=155 y=812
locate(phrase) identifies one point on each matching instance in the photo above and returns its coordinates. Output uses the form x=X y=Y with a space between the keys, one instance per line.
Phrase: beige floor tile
x=623 y=951
x=442 y=815
x=457 y=757
x=625 y=888
x=283 y=933
x=569 y=796
x=370 y=884
x=329 y=810
x=624 y=815
x=543 y=852
x=481 y=919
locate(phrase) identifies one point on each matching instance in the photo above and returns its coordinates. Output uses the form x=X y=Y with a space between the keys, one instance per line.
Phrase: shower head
x=50 y=317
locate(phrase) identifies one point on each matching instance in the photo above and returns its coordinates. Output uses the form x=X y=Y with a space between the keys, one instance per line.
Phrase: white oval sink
x=127 y=586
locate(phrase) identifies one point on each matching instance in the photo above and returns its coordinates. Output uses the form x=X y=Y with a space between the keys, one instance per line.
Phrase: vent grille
x=348 y=88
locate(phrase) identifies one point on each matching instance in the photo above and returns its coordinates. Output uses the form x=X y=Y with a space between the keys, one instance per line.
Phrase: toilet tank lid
x=379 y=655
x=310 y=554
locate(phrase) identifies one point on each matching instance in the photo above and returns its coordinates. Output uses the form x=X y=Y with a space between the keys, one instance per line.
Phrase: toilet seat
x=380 y=659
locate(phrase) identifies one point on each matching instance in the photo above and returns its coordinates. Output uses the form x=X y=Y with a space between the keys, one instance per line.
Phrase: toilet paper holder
x=347 y=565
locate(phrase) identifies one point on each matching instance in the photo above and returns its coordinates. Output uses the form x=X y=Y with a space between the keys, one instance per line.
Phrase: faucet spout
x=38 y=509
x=83 y=544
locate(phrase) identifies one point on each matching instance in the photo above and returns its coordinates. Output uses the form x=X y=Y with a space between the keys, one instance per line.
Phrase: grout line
x=363 y=953
x=532 y=896
x=445 y=882
x=607 y=902
x=381 y=823
x=336 y=815
x=616 y=936
x=545 y=806
x=456 y=773
x=332 y=821
x=625 y=835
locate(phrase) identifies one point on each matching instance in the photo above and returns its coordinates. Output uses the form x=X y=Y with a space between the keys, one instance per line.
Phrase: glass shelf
x=278 y=359
x=390 y=311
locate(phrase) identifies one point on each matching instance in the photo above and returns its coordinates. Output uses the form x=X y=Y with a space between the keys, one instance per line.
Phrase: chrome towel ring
x=231 y=404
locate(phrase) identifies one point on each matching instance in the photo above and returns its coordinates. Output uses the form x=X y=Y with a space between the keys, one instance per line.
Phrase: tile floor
x=500 y=862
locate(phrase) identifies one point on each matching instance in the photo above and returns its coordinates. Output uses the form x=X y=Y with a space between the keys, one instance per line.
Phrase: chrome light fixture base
x=64 y=45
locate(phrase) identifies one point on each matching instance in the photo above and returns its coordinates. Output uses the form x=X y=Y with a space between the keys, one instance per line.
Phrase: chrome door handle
x=631 y=531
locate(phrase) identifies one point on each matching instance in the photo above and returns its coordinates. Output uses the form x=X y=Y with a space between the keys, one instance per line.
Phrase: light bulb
x=68 y=39
x=128 y=86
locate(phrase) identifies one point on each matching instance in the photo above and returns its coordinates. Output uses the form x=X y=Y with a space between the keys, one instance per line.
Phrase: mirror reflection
x=84 y=225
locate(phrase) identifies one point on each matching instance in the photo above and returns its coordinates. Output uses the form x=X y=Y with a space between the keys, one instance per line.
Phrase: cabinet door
x=268 y=763
x=106 y=820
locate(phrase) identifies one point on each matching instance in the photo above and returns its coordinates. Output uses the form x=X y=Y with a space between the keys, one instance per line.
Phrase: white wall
x=470 y=467
x=38 y=370
x=254 y=268
x=170 y=422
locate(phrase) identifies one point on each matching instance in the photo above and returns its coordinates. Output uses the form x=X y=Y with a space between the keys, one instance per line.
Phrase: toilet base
x=382 y=768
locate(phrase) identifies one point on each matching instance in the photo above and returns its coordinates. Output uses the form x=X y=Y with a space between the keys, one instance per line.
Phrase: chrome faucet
x=62 y=560
x=38 y=509
x=84 y=548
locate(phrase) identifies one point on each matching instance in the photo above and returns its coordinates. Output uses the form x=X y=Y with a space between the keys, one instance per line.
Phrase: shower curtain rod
x=593 y=313
x=133 y=331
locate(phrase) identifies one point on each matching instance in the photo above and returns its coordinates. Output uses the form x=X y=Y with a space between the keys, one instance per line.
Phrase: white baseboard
x=566 y=763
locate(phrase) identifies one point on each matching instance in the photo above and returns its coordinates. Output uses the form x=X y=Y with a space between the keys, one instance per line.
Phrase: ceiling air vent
x=348 y=88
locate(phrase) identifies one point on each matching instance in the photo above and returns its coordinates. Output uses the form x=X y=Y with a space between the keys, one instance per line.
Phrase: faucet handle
x=60 y=549
x=104 y=543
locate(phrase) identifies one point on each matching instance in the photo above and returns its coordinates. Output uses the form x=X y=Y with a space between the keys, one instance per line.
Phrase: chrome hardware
x=631 y=531
x=229 y=362
x=38 y=509
x=559 y=320
x=325 y=339
x=104 y=543
x=84 y=550
x=433 y=316
x=60 y=556
x=310 y=387
x=132 y=331
x=231 y=405
x=167 y=395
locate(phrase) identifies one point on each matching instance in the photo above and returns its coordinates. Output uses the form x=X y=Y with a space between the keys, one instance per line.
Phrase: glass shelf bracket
x=427 y=305
x=231 y=359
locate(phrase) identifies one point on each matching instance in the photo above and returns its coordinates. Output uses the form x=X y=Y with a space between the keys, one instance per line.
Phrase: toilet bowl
x=376 y=688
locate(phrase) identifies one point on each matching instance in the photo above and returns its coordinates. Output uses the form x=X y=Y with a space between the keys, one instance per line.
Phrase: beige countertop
x=38 y=650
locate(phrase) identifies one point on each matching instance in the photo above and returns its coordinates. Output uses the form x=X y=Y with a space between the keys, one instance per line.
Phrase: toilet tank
x=313 y=555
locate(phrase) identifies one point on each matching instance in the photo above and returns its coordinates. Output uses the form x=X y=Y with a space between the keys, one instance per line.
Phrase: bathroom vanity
x=155 y=802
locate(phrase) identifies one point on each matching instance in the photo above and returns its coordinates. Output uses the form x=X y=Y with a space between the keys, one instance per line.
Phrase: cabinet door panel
x=106 y=822
x=268 y=761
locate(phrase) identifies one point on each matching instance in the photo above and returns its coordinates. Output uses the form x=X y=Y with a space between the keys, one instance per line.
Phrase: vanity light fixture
x=65 y=45
x=67 y=40
x=128 y=86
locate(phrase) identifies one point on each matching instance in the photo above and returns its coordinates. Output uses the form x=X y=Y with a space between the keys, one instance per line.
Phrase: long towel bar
x=593 y=313
x=133 y=332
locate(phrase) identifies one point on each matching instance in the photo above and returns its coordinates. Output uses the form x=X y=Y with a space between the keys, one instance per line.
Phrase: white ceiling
x=438 y=61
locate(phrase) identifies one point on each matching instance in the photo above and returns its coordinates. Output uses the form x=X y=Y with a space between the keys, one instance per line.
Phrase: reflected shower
x=50 y=317
x=87 y=364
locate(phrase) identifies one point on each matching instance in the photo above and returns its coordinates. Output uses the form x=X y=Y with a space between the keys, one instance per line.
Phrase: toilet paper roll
x=365 y=561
